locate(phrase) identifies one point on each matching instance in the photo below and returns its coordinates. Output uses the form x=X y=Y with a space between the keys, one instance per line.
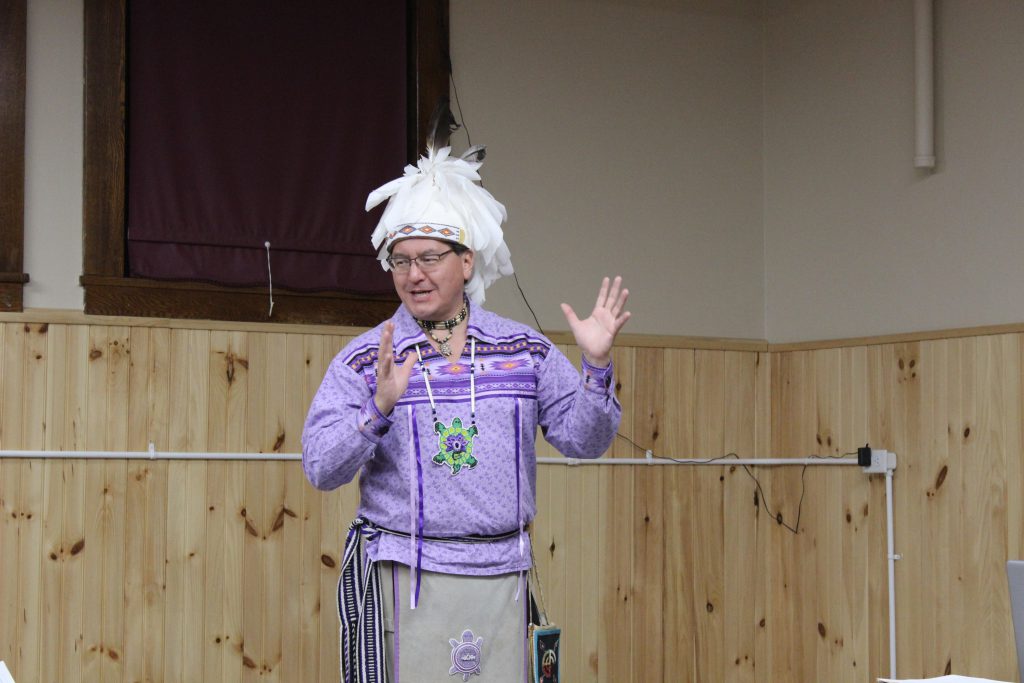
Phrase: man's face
x=434 y=293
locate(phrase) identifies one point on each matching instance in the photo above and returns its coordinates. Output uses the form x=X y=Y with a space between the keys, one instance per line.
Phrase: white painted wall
x=624 y=137
x=53 y=154
x=858 y=241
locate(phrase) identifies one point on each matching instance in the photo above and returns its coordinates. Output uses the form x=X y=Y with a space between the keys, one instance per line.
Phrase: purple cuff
x=598 y=380
x=373 y=424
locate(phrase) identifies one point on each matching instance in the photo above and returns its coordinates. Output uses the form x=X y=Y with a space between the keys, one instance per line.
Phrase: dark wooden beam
x=13 y=30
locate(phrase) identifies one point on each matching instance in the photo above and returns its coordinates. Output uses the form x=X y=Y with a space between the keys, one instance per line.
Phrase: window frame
x=109 y=290
x=13 y=41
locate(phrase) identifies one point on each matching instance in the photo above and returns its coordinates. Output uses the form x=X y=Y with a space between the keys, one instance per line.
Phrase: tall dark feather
x=442 y=125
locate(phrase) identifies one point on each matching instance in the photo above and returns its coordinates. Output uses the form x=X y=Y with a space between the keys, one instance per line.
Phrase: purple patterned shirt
x=454 y=476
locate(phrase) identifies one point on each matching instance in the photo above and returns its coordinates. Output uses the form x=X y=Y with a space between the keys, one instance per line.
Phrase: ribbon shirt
x=407 y=484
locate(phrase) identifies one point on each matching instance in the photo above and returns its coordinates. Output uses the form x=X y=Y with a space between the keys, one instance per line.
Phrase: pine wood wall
x=196 y=570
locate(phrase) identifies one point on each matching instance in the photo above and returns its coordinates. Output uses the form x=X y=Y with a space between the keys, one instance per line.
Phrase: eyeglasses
x=425 y=262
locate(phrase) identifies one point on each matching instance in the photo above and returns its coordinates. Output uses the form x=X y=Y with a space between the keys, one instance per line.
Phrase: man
x=437 y=409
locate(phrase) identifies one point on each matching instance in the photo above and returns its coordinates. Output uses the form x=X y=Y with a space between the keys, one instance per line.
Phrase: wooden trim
x=104 y=182
x=13 y=29
x=429 y=65
x=108 y=290
x=72 y=317
x=900 y=338
x=154 y=298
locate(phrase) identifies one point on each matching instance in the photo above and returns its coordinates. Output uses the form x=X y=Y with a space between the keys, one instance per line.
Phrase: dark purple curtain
x=263 y=121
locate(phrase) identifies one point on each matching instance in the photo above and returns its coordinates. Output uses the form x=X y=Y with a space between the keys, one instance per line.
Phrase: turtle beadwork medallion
x=465 y=655
x=456 y=446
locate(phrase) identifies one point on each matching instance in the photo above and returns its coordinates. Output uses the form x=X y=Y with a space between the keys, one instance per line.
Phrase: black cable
x=469 y=143
x=759 y=495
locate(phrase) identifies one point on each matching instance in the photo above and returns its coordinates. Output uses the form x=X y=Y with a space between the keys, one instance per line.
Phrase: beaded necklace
x=430 y=325
x=455 y=442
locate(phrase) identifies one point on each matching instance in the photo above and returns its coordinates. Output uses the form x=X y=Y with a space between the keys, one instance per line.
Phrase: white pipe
x=924 y=84
x=892 y=571
x=153 y=454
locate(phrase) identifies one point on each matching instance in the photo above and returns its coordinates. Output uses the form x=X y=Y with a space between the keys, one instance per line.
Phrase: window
x=109 y=287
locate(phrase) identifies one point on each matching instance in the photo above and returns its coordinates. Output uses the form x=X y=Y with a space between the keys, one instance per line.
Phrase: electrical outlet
x=881 y=462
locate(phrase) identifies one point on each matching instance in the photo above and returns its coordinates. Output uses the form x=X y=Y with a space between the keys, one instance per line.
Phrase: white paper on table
x=5 y=674
x=941 y=679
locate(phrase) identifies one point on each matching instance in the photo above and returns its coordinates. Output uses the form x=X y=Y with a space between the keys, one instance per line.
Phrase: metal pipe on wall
x=924 y=83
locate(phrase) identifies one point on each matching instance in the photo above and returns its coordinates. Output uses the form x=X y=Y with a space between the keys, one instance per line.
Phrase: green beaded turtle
x=456 y=444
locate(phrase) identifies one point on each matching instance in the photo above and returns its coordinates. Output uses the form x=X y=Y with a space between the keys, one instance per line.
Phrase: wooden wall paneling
x=10 y=475
x=10 y=479
x=568 y=502
x=214 y=647
x=275 y=526
x=590 y=559
x=34 y=397
x=832 y=618
x=293 y=589
x=739 y=523
x=12 y=424
x=115 y=475
x=28 y=497
x=73 y=605
x=298 y=593
x=881 y=431
x=95 y=504
x=312 y=604
x=784 y=582
x=616 y=530
x=53 y=504
x=682 y=554
x=30 y=552
x=235 y=371
x=763 y=408
x=178 y=392
x=1015 y=467
x=253 y=577
x=136 y=526
x=254 y=512
x=860 y=561
x=225 y=434
x=194 y=568
x=987 y=630
x=708 y=516
x=1009 y=417
x=648 y=519
x=198 y=397
x=146 y=523
x=915 y=471
x=159 y=403
x=149 y=422
x=232 y=600
x=931 y=492
x=176 y=635
x=175 y=553
x=51 y=574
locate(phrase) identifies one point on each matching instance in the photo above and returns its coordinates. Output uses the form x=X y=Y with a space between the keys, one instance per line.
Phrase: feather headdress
x=441 y=198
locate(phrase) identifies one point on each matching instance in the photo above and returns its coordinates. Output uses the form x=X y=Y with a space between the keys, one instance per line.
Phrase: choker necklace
x=430 y=325
x=446 y=324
